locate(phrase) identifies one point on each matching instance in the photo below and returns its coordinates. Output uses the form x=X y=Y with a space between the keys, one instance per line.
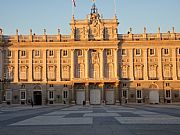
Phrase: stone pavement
x=83 y=115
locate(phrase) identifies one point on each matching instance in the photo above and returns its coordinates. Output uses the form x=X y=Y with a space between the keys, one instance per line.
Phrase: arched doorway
x=37 y=95
x=154 y=94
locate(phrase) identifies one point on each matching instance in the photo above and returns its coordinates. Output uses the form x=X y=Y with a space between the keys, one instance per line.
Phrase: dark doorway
x=37 y=98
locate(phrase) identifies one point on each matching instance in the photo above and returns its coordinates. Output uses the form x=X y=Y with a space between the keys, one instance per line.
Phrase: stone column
x=131 y=61
x=117 y=97
x=174 y=64
x=58 y=66
x=102 y=93
x=16 y=67
x=30 y=67
x=145 y=65
x=115 y=63
x=87 y=92
x=160 y=64
x=73 y=94
x=44 y=65
x=72 y=64
x=101 y=63
x=86 y=64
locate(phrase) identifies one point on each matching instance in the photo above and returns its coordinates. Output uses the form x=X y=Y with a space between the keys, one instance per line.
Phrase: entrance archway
x=154 y=94
x=37 y=95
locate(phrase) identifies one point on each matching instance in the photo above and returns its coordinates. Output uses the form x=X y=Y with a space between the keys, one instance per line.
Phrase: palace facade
x=94 y=64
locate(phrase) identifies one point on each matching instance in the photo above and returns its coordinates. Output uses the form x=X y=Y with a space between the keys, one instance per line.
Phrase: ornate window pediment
x=23 y=74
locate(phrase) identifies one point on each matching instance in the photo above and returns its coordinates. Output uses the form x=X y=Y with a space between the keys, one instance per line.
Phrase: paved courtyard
x=88 y=120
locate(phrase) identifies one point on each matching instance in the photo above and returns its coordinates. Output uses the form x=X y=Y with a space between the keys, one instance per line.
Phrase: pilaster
x=117 y=96
x=102 y=93
x=160 y=64
x=115 y=63
x=87 y=94
x=86 y=64
x=145 y=65
x=101 y=63
x=44 y=65
x=72 y=64
x=174 y=64
x=131 y=61
x=30 y=67
x=58 y=66
x=16 y=66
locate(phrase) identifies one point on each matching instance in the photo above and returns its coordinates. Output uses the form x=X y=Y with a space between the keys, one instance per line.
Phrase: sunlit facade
x=94 y=64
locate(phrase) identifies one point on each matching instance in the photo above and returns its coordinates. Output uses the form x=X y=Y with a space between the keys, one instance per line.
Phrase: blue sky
x=54 y=14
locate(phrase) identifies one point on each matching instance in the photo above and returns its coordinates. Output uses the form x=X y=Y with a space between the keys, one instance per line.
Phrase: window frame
x=125 y=92
x=154 y=52
x=65 y=53
x=125 y=52
x=109 y=52
x=23 y=53
x=51 y=53
x=169 y=94
x=137 y=94
x=164 y=51
x=79 y=53
x=35 y=53
x=23 y=95
x=140 y=52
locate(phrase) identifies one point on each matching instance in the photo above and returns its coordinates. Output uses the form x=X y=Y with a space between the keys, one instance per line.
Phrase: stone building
x=94 y=64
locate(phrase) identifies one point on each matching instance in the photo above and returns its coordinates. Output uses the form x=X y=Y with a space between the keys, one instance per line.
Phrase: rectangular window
x=125 y=94
x=65 y=53
x=167 y=84
x=23 y=53
x=123 y=52
x=138 y=52
x=51 y=95
x=138 y=84
x=51 y=53
x=51 y=85
x=139 y=94
x=109 y=52
x=124 y=85
x=36 y=53
x=166 y=51
x=79 y=53
x=23 y=95
x=151 y=52
x=9 y=53
x=65 y=94
x=168 y=94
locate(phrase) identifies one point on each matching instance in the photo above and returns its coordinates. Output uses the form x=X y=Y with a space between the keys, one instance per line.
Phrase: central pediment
x=94 y=27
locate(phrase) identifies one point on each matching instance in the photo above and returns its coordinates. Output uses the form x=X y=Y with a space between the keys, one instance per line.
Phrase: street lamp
x=3 y=81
